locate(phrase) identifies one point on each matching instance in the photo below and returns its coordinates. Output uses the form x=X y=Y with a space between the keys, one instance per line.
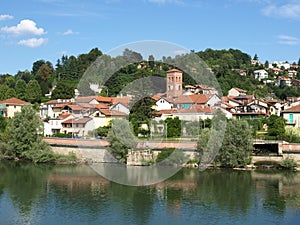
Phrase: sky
x=31 y=30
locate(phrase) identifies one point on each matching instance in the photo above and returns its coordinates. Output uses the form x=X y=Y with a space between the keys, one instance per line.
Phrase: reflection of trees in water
x=230 y=190
x=134 y=203
x=25 y=183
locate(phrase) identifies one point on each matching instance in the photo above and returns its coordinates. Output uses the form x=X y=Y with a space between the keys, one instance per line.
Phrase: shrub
x=288 y=163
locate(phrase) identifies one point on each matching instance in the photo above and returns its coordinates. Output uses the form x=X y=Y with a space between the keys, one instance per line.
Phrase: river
x=47 y=194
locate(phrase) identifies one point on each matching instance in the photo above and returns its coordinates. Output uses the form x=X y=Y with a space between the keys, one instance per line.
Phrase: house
x=163 y=103
x=80 y=127
x=236 y=92
x=274 y=107
x=186 y=101
x=103 y=116
x=276 y=70
x=9 y=107
x=200 y=89
x=282 y=80
x=292 y=73
x=195 y=113
x=260 y=74
x=241 y=72
x=120 y=107
x=54 y=125
x=46 y=108
x=292 y=116
x=86 y=99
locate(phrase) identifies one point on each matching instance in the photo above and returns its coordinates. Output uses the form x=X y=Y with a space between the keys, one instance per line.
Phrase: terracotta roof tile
x=77 y=121
x=14 y=101
x=293 y=109
x=193 y=99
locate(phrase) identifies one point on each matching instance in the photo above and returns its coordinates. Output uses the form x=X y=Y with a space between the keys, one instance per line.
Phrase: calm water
x=31 y=194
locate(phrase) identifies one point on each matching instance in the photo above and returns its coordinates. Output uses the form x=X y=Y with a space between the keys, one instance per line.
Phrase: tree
x=25 y=137
x=11 y=93
x=33 y=92
x=276 y=126
x=63 y=91
x=10 y=81
x=255 y=57
x=173 y=127
x=3 y=90
x=267 y=64
x=121 y=139
x=132 y=55
x=36 y=66
x=299 y=62
x=151 y=61
x=237 y=145
x=84 y=88
x=20 y=89
x=3 y=123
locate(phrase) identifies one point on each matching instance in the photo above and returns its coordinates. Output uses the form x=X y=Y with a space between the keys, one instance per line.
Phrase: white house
x=121 y=107
x=283 y=79
x=236 y=92
x=260 y=74
x=163 y=104
x=78 y=126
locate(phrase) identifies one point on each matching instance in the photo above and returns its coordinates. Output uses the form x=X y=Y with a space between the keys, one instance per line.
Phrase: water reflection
x=41 y=194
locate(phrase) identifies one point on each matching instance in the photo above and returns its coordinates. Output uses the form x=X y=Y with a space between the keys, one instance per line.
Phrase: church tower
x=174 y=83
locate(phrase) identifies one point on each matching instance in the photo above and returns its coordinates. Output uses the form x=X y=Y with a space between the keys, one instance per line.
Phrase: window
x=291 y=118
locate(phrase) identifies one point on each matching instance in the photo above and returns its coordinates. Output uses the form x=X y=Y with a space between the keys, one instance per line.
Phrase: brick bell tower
x=174 y=83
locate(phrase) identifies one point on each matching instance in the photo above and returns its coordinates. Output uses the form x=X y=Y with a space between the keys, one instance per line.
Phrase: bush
x=288 y=163
x=170 y=156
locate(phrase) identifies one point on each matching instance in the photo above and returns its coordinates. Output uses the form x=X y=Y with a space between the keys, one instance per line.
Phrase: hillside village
x=81 y=115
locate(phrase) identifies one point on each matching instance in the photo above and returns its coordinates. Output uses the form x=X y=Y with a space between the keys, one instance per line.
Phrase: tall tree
x=63 y=91
x=276 y=126
x=36 y=66
x=33 y=92
x=3 y=90
x=237 y=144
x=20 y=89
x=11 y=93
x=255 y=57
x=25 y=137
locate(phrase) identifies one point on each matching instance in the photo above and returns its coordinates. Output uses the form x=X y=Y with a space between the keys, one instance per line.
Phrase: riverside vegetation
x=22 y=138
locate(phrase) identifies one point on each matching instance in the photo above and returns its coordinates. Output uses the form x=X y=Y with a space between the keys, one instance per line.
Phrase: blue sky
x=46 y=29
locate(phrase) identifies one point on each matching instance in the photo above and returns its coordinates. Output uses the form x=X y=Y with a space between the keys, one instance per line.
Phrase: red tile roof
x=104 y=99
x=58 y=101
x=77 y=121
x=63 y=116
x=14 y=101
x=193 y=99
x=292 y=109
x=85 y=99
x=197 y=109
x=166 y=111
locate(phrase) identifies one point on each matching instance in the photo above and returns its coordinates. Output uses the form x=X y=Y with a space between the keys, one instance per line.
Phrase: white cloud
x=69 y=32
x=33 y=42
x=288 y=40
x=25 y=27
x=6 y=17
x=289 y=10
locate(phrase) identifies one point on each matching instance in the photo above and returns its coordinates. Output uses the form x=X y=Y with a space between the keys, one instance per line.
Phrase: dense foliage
x=24 y=139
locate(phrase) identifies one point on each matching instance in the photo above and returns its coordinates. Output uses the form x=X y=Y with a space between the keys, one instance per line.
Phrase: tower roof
x=174 y=71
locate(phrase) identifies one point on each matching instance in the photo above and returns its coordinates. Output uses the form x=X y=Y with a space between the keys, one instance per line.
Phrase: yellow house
x=9 y=107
